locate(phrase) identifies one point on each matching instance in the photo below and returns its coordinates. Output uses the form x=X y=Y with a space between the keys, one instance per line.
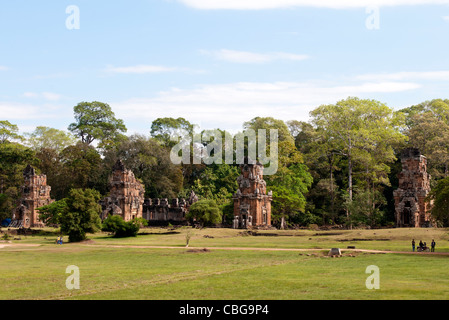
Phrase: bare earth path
x=17 y=245
x=271 y=249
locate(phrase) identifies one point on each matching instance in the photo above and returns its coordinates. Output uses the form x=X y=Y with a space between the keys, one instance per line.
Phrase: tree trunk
x=331 y=161
x=349 y=180
x=282 y=222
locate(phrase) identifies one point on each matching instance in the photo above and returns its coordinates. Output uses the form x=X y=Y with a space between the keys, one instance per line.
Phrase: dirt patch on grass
x=197 y=250
x=364 y=239
x=87 y=241
x=158 y=233
x=269 y=234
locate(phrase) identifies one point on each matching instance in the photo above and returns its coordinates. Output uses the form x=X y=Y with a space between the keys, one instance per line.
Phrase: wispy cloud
x=15 y=111
x=145 y=69
x=275 y=4
x=3 y=68
x=140 y=69
x=252 y=57
x=229 y=105
x=442 y=75
x=50 y=96
x=446 y=18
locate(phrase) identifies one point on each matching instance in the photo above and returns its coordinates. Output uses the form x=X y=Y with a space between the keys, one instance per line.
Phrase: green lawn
x=117 y=269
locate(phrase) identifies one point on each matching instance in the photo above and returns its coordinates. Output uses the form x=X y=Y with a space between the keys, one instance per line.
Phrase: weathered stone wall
x=35 y=194
x=158 y=211
x=126 y=195
x=411 y=208
x=252 y=203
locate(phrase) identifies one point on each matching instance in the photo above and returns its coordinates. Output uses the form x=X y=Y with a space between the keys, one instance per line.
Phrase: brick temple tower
x=411 y=209
x=35 y=194
x=252 y=203
x=126 y=195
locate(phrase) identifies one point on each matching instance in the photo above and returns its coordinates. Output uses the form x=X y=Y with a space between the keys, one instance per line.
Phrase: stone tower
x=411 y=209
x=252 y=203
x=35 y=194
x=126 y=195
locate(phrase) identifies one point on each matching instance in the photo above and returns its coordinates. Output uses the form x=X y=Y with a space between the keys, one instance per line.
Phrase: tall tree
x=292 y=180
x=49 y=138
x=14 y=157
x=163 y=129
x=79 y=167
x=428 y=130
x=81 y=214
x=9 y=132
x=96 y=121
x=359 y=130
x=440 y=197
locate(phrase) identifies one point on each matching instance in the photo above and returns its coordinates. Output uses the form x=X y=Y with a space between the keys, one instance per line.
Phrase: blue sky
x=217 y=63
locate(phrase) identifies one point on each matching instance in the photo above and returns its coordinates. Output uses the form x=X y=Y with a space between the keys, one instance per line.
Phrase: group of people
x=59 y=240
x=423 y=245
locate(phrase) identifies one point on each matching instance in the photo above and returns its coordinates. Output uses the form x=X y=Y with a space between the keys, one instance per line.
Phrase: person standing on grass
x=432 y=245
x=413 y=245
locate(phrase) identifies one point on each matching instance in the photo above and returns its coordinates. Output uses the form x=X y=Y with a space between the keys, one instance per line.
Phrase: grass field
x=227 y=264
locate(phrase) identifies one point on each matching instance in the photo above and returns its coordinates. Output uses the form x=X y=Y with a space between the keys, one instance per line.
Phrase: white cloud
x=446 y=18
x=252 y=57
x=15 y=111
x=406 y=75
x=227 y=106
x=50 y=96
x=143 y=69
x=3 y=68
x=140 y=69
x=274 y=4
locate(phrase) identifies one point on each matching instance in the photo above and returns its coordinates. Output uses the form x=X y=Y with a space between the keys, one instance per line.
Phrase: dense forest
x=339 y=168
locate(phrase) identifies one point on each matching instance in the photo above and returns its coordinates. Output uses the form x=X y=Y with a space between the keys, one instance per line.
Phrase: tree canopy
x=96 y=121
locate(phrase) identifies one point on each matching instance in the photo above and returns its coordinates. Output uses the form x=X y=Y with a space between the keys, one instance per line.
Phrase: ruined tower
x=252 y=203
x=35 y=194
x=126 y=195
x=411 y=209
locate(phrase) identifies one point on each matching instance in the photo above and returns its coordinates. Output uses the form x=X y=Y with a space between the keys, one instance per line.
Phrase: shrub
x=122 y=229
x=205 y=211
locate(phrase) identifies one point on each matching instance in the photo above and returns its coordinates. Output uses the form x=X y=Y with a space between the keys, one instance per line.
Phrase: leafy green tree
x=96 y=121
x=78 y=166
x=51 y=214
x=150 y=163
x=365 y=208
x=14 y=158
x=81 y=214
x=289 y=187
x=322 y=161
x=205 y=212
x=217 y=182
x=162 y=129
x=365 y=133
x=428 y=130
x=440 y=198
x=9 y=132
x=292 y=180
x=49 y=138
